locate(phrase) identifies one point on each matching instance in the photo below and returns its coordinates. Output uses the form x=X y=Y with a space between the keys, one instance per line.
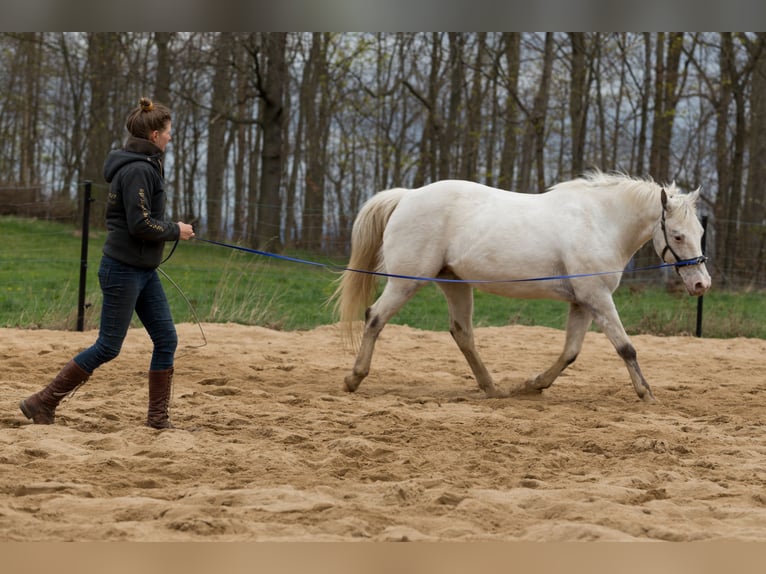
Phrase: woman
x=137 y=232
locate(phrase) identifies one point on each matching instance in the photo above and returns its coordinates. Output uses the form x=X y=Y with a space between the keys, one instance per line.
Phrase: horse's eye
x=678 y=238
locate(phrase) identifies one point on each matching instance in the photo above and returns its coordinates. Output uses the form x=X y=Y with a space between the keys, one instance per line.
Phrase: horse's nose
x=701 y=286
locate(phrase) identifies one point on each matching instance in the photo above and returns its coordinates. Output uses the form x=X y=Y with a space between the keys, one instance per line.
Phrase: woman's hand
x=186 y=231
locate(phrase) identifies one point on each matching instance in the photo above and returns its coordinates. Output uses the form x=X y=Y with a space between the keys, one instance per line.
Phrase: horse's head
x=678 y=239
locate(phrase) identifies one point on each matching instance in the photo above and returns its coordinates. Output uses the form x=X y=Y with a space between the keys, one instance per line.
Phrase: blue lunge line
x=682 y=263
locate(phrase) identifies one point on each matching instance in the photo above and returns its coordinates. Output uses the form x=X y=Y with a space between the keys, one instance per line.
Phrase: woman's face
x=160 y=138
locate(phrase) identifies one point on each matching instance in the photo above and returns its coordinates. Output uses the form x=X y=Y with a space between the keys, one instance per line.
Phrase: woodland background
x=279 y=137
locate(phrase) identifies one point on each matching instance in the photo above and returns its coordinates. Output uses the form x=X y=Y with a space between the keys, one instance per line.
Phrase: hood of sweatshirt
x=136 y=149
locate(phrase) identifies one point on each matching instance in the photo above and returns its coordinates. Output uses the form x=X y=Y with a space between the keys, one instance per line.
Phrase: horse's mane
x=642 y=190
x=597 y=178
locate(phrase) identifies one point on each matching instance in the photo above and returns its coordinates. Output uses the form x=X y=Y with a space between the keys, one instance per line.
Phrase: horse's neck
x=643 y=209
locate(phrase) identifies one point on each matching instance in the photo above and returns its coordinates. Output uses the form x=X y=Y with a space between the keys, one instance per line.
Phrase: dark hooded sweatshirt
x=135 y=209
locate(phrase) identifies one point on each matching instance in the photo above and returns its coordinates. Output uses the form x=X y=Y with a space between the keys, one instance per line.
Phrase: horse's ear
x=664 y=197
x=695 y=195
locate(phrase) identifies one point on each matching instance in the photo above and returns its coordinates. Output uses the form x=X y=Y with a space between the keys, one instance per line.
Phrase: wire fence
x=746 y=270
x=79 y=211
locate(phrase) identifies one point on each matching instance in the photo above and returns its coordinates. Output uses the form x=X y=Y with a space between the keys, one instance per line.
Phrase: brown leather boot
x=160 y=386
x=41 y=407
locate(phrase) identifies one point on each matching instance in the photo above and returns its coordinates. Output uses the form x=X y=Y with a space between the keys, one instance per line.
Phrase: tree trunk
x=447 y=149
x=243 y=110
x=665 y=101
x=292 y=233
x=472 y=128
x=267 y=233
x=427 y=170
x=578 y=101
x=617 y=125
x=724 y=227
x=314 y=99
x=754 y=244
x=540 y=111
x=103 y=51
x=645 y=97
x=217 y=126
x=512 y=54
x=534 y=131
x=253 y=180
x=161 y=94
x=162 y=80
x=28 y=167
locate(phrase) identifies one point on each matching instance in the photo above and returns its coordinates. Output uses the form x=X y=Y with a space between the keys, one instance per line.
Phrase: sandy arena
x=270 y=448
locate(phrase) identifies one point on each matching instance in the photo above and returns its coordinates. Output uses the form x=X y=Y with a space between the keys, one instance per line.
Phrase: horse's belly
x=552 y=289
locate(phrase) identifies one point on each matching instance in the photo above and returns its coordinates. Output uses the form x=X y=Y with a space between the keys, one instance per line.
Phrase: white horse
x=563 y=244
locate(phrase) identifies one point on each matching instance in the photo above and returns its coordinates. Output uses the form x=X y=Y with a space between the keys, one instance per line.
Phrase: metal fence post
x=699 y=299
x=84 y=255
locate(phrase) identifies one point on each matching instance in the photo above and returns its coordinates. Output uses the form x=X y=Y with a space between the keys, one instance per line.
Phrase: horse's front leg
x=628 y=354
x=578 y=321
x=609 y=320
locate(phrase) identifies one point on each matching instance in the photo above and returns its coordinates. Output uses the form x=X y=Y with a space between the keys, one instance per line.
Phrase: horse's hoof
x=648 y=398
x=350 y=384
x=495 y=394
x=525 y=388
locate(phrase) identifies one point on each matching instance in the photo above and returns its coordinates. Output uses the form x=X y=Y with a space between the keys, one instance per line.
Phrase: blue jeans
x=125 y=289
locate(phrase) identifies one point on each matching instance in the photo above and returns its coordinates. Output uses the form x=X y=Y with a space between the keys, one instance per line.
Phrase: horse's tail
x=355 y=291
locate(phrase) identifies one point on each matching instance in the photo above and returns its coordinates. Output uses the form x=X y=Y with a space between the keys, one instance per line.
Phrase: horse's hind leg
x=578 y=321
x=460 y=301
x=396 y=293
